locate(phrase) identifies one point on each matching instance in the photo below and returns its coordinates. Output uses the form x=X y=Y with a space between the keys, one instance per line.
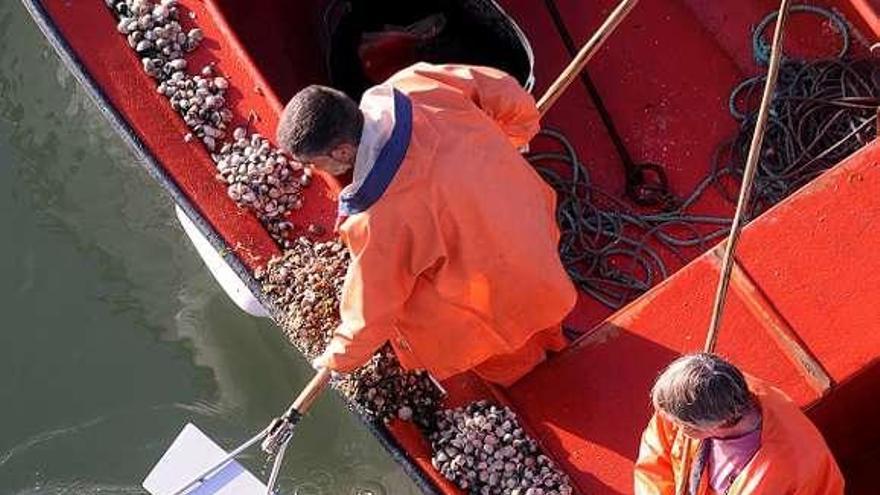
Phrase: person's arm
x=495 y=92
x=378 y=282
x=653 y=473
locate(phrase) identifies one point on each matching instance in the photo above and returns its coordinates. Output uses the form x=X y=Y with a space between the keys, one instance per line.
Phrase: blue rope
x=823 y=110
x=761 y=49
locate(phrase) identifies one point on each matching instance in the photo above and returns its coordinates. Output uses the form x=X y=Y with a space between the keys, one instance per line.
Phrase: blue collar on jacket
x=387 y=162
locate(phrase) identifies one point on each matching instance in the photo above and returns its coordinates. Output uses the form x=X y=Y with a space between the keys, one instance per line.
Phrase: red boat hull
x=807 y=266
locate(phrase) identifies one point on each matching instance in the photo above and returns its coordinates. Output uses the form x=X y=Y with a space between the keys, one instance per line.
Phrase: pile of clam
x=483 y=450
x=153 y=31
x=261 y=177
x=383 y=390
x=305 y=284
x=201 y=101
x=258 y=176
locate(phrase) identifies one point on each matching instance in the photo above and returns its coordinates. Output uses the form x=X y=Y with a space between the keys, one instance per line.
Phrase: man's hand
x=322 y=362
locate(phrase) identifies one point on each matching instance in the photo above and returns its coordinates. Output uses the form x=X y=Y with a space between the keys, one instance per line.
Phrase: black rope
x=646 y=183
x=823 y=111
x=612 y=252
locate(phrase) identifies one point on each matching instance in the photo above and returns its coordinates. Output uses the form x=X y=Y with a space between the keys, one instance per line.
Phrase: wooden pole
x=745 y=191
x=584 y=55
x=310 y=392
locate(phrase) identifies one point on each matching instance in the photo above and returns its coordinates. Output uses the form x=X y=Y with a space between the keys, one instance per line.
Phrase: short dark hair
x=318 y=118
x=702 y=388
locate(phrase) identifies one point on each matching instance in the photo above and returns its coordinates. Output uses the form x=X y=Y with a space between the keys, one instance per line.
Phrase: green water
x=112 y=333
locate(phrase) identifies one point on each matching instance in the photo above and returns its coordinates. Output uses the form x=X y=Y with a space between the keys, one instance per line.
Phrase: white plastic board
x=191 y=454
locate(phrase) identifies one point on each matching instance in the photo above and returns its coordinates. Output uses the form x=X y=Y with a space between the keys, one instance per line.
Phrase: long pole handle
x=310 y=392
x=745 y=190
x=584 y=55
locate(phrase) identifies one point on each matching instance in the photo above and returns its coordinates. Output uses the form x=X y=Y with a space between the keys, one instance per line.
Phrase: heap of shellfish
x=153 y=30
x=305 y=284
x=258 y=176
x=201 y=101
x=383 y=390
x=483 y=449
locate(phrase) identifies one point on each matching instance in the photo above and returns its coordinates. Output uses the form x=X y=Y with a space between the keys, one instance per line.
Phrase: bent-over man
x=452 y=233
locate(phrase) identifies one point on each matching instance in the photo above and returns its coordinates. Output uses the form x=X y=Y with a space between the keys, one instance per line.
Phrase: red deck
x=665 y=77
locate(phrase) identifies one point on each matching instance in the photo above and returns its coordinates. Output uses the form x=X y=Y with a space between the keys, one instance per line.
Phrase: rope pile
x=823 y=111
x=611 y=251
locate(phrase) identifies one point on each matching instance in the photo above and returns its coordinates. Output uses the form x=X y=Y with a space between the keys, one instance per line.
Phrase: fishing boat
x=803 y=310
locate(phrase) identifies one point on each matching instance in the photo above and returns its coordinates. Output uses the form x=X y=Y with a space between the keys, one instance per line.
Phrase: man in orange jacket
x=452 y=233
x=713 y=433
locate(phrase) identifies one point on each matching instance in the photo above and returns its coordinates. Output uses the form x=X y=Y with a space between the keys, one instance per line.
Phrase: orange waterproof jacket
x=793 y=458
x=452 y=233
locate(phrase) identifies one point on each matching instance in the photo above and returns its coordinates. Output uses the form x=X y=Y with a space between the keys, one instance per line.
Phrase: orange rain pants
x=456 y=264
x=793 y=458
x=505 y=369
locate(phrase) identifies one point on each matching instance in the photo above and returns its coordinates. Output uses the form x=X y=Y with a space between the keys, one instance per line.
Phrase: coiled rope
x=605 y=245
x=822 y=111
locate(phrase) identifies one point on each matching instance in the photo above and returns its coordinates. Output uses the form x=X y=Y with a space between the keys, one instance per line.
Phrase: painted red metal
x=768 y=316
x=665 y=76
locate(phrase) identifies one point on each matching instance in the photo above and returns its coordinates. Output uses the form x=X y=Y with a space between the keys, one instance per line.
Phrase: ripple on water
x=46 y=437
x=79 y=487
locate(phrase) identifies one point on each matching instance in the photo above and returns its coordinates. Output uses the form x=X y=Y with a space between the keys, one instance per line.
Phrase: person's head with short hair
x=321 y=126
x=704 y=395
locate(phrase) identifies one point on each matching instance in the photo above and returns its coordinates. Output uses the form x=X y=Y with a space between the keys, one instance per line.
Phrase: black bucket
x=476 y=32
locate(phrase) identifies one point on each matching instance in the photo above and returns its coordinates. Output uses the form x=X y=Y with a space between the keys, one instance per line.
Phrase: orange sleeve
x=829 y=478
x=379 y=280
x=494 y=92
x=654 y=474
